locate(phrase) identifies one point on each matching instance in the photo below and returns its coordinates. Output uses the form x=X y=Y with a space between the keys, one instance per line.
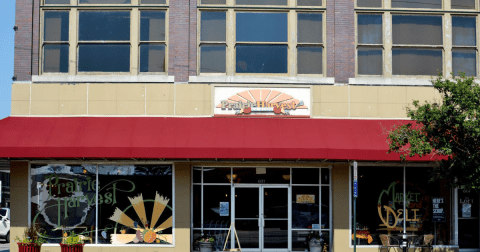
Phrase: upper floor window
x=401 y=42
x=79 y=40
x=271 y=39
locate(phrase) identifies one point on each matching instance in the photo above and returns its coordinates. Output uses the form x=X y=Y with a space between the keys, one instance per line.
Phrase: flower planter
x=28 y=247
x=205 y=246
x=72 y=248
x=316 y=245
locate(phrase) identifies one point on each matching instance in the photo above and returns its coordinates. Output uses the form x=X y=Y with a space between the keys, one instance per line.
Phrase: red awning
x=195 y=138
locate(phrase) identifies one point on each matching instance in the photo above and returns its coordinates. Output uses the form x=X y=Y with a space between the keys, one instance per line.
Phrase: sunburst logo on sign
x=146 y=231
x=263 y=102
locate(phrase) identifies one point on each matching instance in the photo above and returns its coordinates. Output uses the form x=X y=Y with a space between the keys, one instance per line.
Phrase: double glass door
x=262 y=217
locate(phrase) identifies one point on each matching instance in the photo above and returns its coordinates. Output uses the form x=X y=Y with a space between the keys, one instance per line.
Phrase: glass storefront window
x=132 y=204
x=261 y=201
x=380 y=205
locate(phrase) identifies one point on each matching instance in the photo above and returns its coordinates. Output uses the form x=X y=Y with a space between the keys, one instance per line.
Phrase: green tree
x=449 y=127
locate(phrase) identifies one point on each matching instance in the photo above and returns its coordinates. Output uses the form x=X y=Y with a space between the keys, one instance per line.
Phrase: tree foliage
x=449 y=127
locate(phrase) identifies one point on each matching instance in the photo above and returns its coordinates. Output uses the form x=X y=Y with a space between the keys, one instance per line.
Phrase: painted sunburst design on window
x=147 y=232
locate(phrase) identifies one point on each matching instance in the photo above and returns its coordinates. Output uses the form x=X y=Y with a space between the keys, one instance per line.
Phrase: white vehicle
x=5 y=223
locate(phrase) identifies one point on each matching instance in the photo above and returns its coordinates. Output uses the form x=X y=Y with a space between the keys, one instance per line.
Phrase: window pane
x=420 y=30
x=55 y=58
x=464 y=60
x=426 y=4
x=464 y=31
x=104 y=25
x=57 y=1
x=412 y=61
x=212 y=58
x=152 y=58
x=214 y=1
x=463 y=4
x=309 y=59
x=309 y=28
x=325 y=221
x=261 y=2
x=135 y=199
x=305 y=202
x=153 y=2
x=104 y=1
x=197 y=206
x=213 y=196
x=261 y=58
x=152 y=26
x=73 y=187
x=216 y=175
x=262 y=27
x=104 y=58
x=56 y=26
x=325 y=176
x=305 y=176
x=213 y=26
x=309 y=2
x=370 y=61
x=369 y=29
x=369 y=3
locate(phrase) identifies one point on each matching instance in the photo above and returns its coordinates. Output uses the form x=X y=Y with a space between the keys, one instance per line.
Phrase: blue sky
x=7 y=21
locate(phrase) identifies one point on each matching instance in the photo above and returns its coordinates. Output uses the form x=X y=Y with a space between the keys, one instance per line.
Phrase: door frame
x=260 y=214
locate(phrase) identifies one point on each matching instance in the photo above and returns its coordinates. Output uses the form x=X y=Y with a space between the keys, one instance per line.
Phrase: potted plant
x=72 y=243
x=32 y=240
x=206 y=243
x=315 y=242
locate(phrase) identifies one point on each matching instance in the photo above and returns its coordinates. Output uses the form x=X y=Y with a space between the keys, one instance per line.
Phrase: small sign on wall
x=438 y=210
x=224 y=209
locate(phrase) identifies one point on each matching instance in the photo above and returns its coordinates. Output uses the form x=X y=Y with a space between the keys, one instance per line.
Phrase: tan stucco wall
x=19 y=201
x=141 y=99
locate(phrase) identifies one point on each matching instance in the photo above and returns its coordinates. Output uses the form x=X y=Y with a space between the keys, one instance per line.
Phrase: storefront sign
x=244 y=101
x=390 y=216
x=438 y=210
x=306 y=198
x=224 y=207
x=466 y=210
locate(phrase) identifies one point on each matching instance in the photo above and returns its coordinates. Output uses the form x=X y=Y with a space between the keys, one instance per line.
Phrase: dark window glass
x=213 y=196
x=262 y=27
x=104 y=58
x=261 y=58
x=261 y=175
x=197 y=173
x=309 y=2
x=104 y=1
x=197 y=206
x=309 y=59
x=369 y=3
x=261 y=2
x=73 y=187
x=463 y=29
x=325 y=221
x=468 y=224
x=57 y=1
x=213 y=26
x=305 y=202
x=325 y=176
x=56 y=26
x=153 y=1
x=152 y=26
x=463 y=4
x=214 y=1
x=420 y=30
x=369 y=29
x=212 y=58
x=305 y=176
x=152 y=58
x=412 y=61
x=104 y=25
x=424 y=4
x=216 y=175
x=309 y=28
x=55 y=58
x=370 y=61
x=384 y=194
x=132 y=197
x=465 y=60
